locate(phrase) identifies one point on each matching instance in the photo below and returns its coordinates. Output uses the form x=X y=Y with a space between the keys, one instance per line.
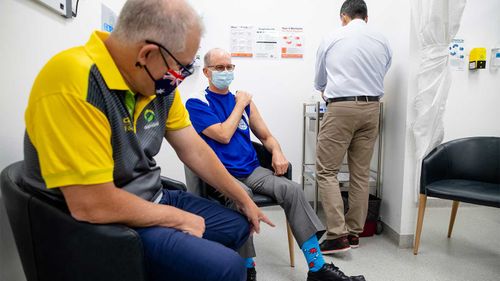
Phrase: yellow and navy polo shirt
x=79 y=131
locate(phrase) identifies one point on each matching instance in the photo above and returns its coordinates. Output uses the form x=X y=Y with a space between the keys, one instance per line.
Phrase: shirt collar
x=357 y=21
x=100 y=55
x=212 y=93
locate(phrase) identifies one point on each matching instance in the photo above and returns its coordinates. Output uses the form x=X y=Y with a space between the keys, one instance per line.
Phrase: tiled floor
x=472 y=254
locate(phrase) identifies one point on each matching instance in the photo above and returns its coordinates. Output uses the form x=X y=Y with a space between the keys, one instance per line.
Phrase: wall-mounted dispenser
x=477 y=58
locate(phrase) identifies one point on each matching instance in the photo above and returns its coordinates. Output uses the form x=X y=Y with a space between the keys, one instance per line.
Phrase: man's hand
x=323 y=96
x=243 y=98
x=192 y=224
x=255 y=216
x=279 y=163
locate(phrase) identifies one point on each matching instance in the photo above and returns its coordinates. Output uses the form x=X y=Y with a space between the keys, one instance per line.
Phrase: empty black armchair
x=55 y=247
x=463 y=170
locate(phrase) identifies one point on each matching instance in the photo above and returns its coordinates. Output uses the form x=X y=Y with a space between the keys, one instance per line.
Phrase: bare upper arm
x=84 y=201
x=257 y=124
x=216 y=132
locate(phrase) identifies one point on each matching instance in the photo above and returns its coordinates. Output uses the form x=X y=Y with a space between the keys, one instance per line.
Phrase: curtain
x=436 y=23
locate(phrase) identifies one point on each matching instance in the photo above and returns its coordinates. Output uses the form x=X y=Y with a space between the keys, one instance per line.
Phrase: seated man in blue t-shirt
x=224 y=121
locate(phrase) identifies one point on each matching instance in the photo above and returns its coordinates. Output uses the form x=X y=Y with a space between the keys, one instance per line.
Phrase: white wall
x=31 y=34
x=472 y=107
x=474 y=99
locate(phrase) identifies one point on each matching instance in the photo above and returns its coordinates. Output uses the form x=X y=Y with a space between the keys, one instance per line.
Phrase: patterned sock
x=249 y=263
x=313 y=254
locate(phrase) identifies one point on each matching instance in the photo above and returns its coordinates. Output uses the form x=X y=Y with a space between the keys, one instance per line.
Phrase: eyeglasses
x=186 y=70
x=221 y=67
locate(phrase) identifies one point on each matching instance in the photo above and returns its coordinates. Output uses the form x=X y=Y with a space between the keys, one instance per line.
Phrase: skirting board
x=402 y=241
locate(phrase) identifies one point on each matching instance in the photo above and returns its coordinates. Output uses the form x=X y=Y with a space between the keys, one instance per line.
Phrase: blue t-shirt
x=238 y=156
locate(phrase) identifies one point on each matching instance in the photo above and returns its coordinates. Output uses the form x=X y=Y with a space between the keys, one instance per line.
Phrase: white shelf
x=313 y=117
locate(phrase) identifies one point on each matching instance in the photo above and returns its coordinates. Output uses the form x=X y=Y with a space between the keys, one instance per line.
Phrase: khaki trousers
x=350 y=127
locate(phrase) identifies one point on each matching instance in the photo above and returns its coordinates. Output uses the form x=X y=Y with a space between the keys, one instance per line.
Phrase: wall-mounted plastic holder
x=495 y=58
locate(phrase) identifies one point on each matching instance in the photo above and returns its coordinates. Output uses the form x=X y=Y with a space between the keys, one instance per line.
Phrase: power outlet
x=62 y=7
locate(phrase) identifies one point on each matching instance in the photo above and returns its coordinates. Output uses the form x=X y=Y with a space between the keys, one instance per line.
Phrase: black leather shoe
x=357 y=278
x=353 y=241
x=333 y=246
x=328 y=272
x=251 y=274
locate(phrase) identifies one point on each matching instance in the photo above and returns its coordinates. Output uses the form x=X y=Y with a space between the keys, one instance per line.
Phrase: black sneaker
x=338 y=245
x=251 y=274
x=353 y=241
x=330 y=272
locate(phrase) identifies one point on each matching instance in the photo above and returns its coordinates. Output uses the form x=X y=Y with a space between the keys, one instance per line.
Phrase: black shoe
x=358 y=278
x=328 y=272
x=338 y=245
x=251 y=274
x=353 y=241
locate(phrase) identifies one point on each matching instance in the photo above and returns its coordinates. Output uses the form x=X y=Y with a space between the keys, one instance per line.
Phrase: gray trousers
x=290 y=196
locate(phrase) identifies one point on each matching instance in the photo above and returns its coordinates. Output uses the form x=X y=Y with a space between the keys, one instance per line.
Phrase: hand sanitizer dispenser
x=477 y=58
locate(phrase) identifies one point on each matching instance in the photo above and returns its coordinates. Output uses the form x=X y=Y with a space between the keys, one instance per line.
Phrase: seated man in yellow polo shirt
x=97 y=116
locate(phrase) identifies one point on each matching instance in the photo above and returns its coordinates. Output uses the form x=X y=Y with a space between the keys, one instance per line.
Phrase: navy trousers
x=172 y=255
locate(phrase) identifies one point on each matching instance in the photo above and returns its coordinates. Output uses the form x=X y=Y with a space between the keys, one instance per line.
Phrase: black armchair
x=463 y=170
x=198 y=187
x=55 y=247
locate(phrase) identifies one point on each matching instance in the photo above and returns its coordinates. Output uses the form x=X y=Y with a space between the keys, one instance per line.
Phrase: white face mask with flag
x=222 y=79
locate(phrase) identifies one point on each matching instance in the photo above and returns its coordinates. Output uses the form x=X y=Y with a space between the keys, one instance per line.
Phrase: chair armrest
x=266 y=159
x=67 y=249
x=435 y=167
x=172 y=184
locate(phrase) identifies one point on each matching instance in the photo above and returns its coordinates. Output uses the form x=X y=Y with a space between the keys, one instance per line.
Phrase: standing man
x=97 y=116
x=350 y=67
x=224 y=120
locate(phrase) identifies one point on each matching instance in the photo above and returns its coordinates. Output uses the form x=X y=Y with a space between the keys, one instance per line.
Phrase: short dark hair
x=355 y=9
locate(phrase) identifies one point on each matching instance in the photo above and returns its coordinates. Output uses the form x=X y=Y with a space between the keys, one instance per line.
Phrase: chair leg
x=290 y=245
x=454 y=209
x=420 y=221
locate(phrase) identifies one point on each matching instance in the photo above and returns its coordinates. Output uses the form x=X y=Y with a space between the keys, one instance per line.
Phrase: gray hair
x=355 y=9
x=207 y=59
x=164 y=21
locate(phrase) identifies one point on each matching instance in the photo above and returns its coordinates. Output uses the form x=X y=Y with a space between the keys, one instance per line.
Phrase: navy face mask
x=171 y=79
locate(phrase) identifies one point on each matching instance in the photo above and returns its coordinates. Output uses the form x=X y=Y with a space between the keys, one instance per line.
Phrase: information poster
x=457 y=55
x=241 y=41
x=266 y=43
x=108 y=18
x=292 y=42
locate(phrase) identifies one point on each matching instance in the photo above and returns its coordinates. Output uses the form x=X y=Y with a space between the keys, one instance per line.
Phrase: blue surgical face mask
x=222 y=79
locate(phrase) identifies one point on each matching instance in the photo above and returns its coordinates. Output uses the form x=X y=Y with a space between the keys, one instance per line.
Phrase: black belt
x=356 y=98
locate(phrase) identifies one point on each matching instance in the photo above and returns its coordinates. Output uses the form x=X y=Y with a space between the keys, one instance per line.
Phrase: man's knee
x=230 y=267
x=293 y=188
x=242 y=231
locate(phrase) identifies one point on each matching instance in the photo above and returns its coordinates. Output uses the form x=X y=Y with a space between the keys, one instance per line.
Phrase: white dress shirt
x=352 y=61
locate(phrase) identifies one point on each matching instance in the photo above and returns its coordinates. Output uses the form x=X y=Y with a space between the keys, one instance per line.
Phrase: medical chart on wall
x=241 y=41
x=292 y=42
x=457 y=59
x=266 y=43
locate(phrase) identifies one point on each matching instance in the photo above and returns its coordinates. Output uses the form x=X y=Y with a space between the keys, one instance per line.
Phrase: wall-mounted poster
x=292 y=42
x=241 y=41
x=457 y=55
x=266 y=43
